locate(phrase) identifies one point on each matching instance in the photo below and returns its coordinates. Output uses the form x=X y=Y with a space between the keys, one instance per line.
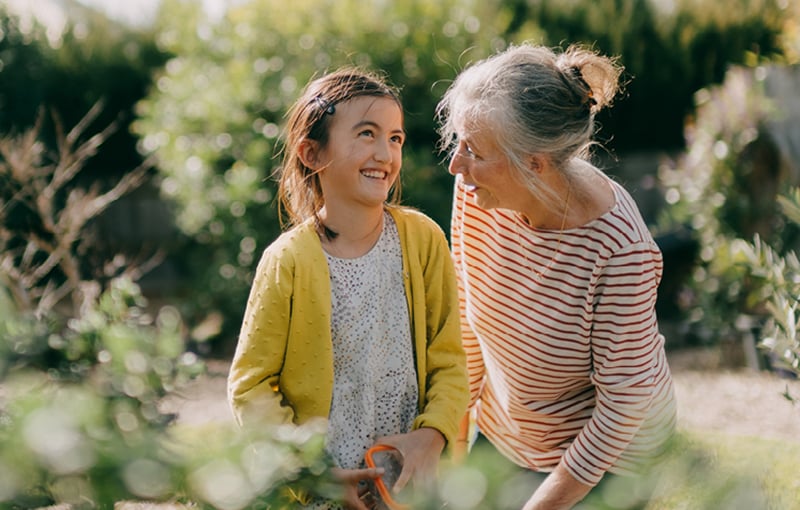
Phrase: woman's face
x=364 y=153
x=485 y=170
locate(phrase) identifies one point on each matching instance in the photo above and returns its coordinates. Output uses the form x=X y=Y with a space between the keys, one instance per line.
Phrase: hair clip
x=578 y=75
x=325 y=106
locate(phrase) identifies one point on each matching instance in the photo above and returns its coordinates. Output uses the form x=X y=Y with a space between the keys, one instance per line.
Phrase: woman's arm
x=559 y=491
x=627 y=373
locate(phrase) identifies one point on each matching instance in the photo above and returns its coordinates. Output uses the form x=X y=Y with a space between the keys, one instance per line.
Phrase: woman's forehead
x=476 y=131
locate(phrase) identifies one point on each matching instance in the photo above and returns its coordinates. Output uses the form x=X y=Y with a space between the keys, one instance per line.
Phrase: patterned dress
x=375 y=390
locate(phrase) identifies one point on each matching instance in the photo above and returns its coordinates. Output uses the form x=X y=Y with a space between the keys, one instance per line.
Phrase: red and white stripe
x=570 y=364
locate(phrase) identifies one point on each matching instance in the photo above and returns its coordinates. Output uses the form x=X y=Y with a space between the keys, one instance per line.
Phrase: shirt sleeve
x=625 y=347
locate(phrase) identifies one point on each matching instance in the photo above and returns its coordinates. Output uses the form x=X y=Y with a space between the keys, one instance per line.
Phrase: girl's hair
x=299 y=192
x=533 y=100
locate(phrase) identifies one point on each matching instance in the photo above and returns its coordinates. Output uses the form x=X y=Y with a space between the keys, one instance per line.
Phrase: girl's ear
x=308 y=152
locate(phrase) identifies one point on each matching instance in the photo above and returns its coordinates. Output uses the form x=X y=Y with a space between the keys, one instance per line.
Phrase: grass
x=710 y=471
x=716 y=471
x=706 y=471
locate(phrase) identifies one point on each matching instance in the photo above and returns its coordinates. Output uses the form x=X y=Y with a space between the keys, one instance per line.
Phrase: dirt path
x=740 y=402
x=737 y=402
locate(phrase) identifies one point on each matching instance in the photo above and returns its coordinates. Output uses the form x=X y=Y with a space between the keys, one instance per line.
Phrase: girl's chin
x=377 y=199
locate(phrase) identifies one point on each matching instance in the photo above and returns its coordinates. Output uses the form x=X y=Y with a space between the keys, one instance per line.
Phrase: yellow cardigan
x=282 y=371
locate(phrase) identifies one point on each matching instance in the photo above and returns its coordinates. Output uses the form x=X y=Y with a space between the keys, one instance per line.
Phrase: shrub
x=732 y=188
x=669 y=49
x=214 y=117
x=712 y=188
x=85 y=362
x=777 y=290
x=85 y=427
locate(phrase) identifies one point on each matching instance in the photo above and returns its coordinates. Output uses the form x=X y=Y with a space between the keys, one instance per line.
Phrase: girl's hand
x=356 y=491
x=421 y=450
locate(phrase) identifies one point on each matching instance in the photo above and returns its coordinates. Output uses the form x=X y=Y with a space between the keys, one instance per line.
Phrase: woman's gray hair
x=534 y=101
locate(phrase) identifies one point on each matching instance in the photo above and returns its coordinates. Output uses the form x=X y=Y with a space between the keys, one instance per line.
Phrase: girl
x=353 y=312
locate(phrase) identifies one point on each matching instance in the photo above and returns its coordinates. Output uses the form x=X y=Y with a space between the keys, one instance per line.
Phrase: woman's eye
x=398 y=139
x=366 y=132
x=465 y=148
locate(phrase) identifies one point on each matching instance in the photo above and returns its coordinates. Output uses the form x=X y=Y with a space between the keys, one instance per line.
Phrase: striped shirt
x=564 y=353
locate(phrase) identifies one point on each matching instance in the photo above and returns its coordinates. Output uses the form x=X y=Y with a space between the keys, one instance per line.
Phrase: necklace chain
x=539 y=274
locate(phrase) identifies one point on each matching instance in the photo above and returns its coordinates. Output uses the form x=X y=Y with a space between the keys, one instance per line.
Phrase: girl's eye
x=366 y=132
x=398 y=139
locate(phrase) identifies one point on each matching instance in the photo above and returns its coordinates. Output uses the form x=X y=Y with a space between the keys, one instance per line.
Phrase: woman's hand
x=460 y=449
x=421 y=450
x=559 y=491
x=357 y=495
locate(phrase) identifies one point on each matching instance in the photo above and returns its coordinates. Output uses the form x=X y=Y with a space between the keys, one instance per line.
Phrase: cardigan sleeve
x=446 y=393
x=256 y=368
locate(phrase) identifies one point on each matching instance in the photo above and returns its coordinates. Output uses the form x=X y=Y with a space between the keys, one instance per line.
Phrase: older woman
x=557 y=275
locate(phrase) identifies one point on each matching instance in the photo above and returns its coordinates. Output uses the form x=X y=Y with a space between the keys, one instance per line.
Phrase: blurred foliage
x=716 y=471
x=85 y=362
x=776 y=285
x=215 y=115
x=82 y=365
x=48 y=252
x=714 y=189
x=81 y=421
x=81 y=424
x=670 y=49
x=94 y=60
x=731 y=187
x=50 y=77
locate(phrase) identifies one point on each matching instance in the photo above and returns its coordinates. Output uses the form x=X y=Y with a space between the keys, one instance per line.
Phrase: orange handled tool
x=392 y=463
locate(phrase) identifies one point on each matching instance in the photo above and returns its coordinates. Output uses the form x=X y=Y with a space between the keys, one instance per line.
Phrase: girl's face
x=485 y=170
x=363 y=156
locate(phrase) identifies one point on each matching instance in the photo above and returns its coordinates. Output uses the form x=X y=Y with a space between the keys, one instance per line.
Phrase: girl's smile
x=362 y=158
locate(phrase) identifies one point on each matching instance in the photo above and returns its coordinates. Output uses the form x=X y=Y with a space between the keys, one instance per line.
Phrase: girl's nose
x=383 y=153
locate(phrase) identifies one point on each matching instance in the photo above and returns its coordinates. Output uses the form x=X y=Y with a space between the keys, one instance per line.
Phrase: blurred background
x=138 y=140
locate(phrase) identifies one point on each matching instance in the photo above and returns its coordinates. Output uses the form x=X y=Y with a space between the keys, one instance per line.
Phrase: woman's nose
x=456 y=165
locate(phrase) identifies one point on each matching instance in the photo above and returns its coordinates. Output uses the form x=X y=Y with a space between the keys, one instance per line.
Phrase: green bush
x=776 y=288
x=729 y=186
x=215 y=117
x=669 y=49
x=94 y=60
x=216 y=112
x=85 y=362
x=81 y=422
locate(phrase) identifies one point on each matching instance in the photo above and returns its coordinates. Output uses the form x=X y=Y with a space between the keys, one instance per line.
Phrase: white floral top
x=375 y=391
